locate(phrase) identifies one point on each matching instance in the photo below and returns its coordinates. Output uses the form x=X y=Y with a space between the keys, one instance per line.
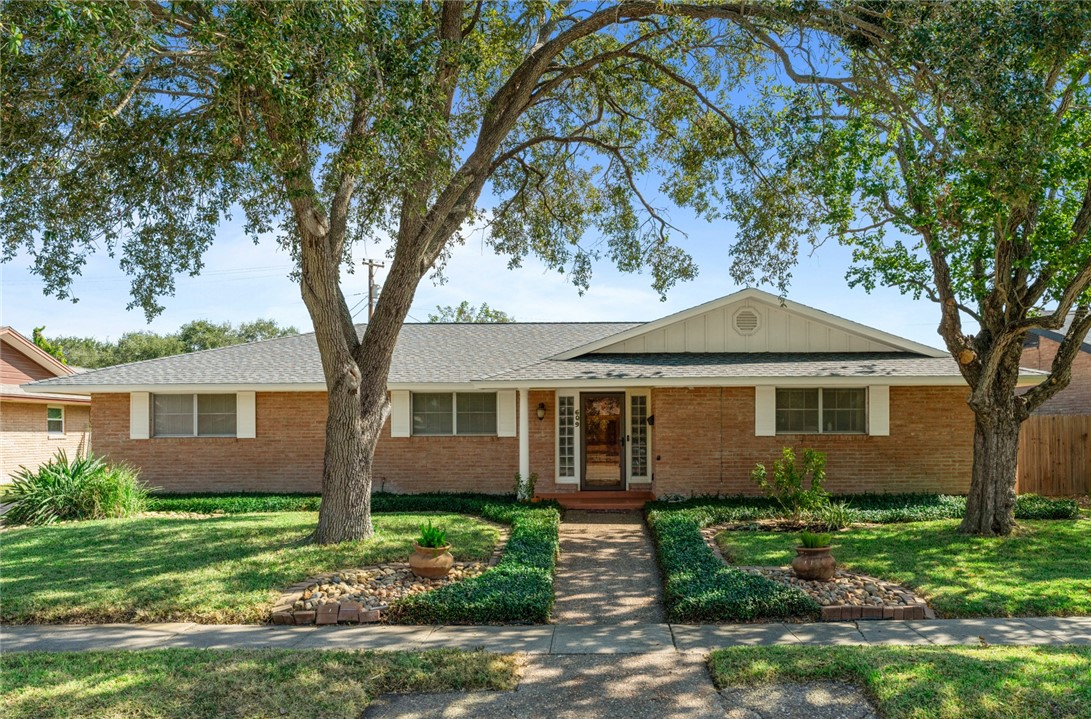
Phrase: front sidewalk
x=548 y=639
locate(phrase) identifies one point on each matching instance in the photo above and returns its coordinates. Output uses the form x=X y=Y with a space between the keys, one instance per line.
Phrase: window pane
x=476 y=412
x=566 y=436
x=173 y=415
x=54 y=420
x=844 y=410
x=216 y=415
x=638 y=432
x=797 y=410
x=433 y=413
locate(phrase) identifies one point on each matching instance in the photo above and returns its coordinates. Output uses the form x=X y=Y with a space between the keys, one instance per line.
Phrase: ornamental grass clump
x=432 y=537
x=85 y=487
x=814 y=540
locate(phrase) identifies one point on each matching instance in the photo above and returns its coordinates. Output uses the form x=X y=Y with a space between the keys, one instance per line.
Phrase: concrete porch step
x=600 y=500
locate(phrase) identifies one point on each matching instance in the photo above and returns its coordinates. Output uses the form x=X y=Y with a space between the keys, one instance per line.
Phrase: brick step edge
x=849 y=612
x=348 y=612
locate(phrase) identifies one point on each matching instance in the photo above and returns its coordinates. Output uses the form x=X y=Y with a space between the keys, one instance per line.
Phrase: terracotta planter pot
x=815 y=564
x=431 y=562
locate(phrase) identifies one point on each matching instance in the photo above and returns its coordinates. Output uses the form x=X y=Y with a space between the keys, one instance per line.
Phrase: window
x=638 y=432
x=827 y=411
x=194 y=415
x=566 y=436
x=447 y=413
x=54 y=420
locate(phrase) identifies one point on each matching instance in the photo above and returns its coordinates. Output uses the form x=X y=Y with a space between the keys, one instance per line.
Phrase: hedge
x=876 y=508
x=699 y=587
x=518 y=589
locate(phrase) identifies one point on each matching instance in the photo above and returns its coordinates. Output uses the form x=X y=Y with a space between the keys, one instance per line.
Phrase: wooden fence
x=1055 y=455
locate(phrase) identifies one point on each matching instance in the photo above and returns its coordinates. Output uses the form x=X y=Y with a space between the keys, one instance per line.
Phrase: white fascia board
x=621 y=382
x=854 y=328
x=175 y=388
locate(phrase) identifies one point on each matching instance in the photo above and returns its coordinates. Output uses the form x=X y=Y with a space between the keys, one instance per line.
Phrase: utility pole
x=371 y=265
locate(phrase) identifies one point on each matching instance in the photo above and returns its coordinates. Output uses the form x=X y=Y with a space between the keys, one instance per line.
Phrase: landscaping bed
x=929 y=682
x=1043 y=569
x=182 y=683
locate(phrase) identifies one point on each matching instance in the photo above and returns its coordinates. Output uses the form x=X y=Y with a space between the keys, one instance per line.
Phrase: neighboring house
x=684 y=405
x=34 y=426
x=1039 y=349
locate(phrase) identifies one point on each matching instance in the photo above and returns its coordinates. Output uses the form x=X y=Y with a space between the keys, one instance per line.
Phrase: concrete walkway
x=548 y=639
x=607 y=572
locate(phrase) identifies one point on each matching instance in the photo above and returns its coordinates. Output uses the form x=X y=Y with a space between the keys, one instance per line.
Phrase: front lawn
x=176 y=683
x=224 y=569
x=1043 y=569
x=930 y=682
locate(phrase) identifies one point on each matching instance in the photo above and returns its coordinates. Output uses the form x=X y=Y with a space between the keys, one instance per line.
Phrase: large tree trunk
x=990 y=506
x=346 y=468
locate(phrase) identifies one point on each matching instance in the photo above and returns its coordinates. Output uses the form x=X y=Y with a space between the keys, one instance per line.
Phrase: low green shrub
x=85 y=487
x=698 y=587
x=518 y=589
x=796 y=489
x=234 y=502
x=1033 y=506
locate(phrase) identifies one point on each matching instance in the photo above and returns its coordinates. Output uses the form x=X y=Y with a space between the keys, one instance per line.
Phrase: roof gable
x=751 y=321
x=32 y=352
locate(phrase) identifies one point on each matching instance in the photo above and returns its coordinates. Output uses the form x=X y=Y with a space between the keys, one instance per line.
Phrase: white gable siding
x=779 y=330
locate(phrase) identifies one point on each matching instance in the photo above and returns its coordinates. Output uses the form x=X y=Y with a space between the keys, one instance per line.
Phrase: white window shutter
x=401 y=414
x=879 y=410
x=765 y=411
x=246 y=421
x=505 y=413
x=139 y=415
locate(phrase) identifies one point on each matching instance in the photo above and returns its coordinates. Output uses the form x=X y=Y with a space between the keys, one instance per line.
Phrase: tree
x=139 y=126
x=466 y=312
x=190 y=337
x=46 y=346
x=953 y=156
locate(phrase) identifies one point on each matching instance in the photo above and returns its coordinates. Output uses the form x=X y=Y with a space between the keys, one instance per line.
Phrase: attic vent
x=746 y=321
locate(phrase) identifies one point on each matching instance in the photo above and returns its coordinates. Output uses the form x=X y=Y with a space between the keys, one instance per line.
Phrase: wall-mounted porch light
x=541 y=410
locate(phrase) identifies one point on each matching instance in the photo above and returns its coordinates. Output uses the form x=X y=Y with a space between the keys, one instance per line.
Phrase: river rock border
x=848 y=596
x=328 y=598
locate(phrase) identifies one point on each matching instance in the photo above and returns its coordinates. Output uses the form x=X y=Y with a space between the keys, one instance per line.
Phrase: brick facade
x=286 y=456
x=1076 y=397
x=25 y=441
x=703 y=443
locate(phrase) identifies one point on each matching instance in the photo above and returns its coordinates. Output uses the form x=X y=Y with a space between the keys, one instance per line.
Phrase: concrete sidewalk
x=548 y=639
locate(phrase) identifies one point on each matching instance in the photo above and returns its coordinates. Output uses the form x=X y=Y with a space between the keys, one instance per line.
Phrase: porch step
x=601 y=500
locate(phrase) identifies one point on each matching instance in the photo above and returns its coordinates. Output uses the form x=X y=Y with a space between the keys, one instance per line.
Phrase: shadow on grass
x=929 y=682
x=218 y=569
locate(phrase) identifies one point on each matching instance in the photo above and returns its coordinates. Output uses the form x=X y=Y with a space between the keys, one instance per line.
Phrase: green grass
x=1043 y=569
x=223 y=569
x=930 y=682
x=176 y=683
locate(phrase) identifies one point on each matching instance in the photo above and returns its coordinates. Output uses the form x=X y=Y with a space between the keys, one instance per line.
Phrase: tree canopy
x=143 y=345
x=465 y=312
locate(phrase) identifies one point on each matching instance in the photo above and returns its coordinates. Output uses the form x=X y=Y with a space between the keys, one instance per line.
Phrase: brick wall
x=23 y=436
x=704 y=443
x=1076 y=397
x=286 y=456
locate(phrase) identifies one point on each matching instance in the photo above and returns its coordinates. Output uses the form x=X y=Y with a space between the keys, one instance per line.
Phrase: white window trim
x=193 y=397
x=49 y=432
x=820 y=388
x=577 y=445
x=454 y=415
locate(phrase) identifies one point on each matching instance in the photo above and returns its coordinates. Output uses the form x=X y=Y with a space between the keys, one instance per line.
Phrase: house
x=684 y=405
x=33 y=426
x=1039 y=349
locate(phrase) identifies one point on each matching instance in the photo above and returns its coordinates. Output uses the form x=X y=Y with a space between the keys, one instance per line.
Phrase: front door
x=603 y=431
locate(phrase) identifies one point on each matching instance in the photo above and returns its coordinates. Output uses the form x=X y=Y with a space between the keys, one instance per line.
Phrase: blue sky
x=243 y=281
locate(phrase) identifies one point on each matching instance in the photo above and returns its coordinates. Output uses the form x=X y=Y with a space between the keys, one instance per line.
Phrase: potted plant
x=431 y=558
x=813 y=559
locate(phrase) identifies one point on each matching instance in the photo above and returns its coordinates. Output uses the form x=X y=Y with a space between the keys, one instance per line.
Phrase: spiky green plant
x=812 y=540
x=84 y=487
x=432 y=537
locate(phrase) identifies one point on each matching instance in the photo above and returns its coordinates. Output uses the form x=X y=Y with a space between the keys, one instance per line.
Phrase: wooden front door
x=603 y=435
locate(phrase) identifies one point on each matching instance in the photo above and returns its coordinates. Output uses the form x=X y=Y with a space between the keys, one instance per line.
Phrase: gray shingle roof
x=425 y=353
x=868 y=365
